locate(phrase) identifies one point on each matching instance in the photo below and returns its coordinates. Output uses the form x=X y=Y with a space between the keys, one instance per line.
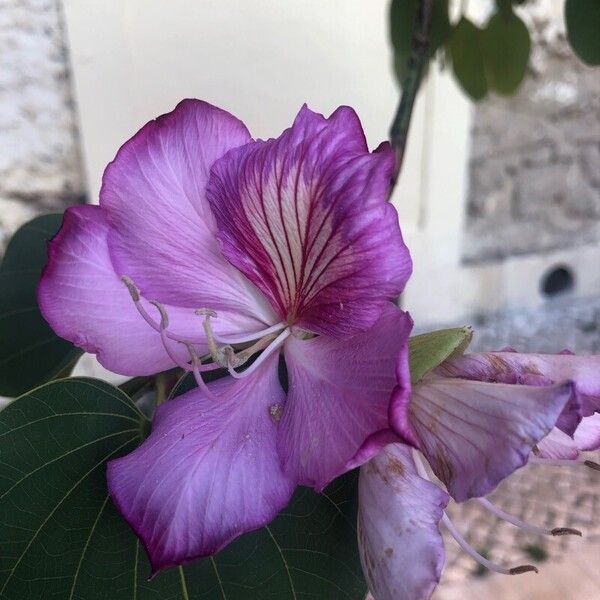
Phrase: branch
x=416 y=66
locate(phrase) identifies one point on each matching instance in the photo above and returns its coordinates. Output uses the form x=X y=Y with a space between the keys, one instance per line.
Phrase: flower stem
x=410 y=86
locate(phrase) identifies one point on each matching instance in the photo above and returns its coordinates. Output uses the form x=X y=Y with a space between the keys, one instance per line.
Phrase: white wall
x=262 y=59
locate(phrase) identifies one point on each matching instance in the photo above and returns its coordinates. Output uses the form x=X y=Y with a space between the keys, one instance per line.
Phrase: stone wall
x=534 y=171
x=40 y=166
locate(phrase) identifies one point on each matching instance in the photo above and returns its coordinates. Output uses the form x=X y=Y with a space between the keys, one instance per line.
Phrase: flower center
x=229 y=352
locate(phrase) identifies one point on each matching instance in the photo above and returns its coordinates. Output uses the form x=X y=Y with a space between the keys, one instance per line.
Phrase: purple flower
x=468 y=424
x=207 y=249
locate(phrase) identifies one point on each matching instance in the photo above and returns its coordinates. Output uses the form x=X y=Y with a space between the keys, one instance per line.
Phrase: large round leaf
x=507 y=45
x=62 y=539
x=30 y=352
x=583 y=29
x=466 y=50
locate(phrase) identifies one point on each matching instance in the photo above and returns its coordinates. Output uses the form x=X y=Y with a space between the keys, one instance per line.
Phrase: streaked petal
x=207 y=473
x=533 y=369
x=587 y=435
x=401 y=548
x=475 y=434
x=154 y=195
x=306 y=218
x=84 y=301
x=557 y=445
x=338 y=398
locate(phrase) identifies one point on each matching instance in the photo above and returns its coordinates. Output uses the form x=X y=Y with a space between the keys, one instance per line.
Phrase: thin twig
x=410 y=86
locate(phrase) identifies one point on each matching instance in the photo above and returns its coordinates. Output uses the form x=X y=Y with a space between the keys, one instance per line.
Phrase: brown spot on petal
x=276 y=410
x=395 y=467
x=388 y=552
x=532 y=369
x=498 y=363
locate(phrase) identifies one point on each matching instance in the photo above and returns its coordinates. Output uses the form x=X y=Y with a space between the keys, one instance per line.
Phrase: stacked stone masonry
x=534 y=169
x=40 y=166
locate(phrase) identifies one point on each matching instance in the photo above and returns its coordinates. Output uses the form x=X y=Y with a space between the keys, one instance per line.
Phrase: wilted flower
x=468 y=424
x=207 y=249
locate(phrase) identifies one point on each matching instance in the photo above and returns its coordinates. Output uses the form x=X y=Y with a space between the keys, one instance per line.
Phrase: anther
x=482 y=560
x=559 y=531
x=523 y=569
x=133 y=290
x=565 y=462
x=513 y=520
x=206 y=312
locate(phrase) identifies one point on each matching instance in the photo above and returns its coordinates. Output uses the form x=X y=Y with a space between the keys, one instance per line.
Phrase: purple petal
x=401 y=548
x=338 y=398
x=558 y=445
x=587 y=435
x=475 y=434
x=534 y=369
x=84 y=301
x=306 y=218
x=154 y=195
x=208 y=472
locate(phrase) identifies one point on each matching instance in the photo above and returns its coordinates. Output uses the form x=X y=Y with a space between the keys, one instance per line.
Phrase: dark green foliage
x=466 y=50
x=403 y=14
x=583 y=29
x=30 y=352
x=62 y=539
x=507 y=46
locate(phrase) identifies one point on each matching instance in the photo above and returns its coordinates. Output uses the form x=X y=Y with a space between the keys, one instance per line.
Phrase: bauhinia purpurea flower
x=209 y=249
x=466 y=426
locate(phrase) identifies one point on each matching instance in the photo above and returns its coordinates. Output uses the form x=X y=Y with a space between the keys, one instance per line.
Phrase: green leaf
x=507 y=47
x=61 y=538
x=30 y=352
x=466 y=50
x=428 y=350
x=583 y=29
x=402 y=19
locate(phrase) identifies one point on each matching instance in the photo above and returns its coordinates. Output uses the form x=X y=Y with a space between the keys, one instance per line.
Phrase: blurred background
x=499 y=200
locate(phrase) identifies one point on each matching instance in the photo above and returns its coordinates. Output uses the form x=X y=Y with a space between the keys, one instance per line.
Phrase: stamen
x=274 y=345
x=241 y=357
x=197 y=376
x=249 y=337
x=482 y=560
x=213 y=348
x=136 y=297
x=564 y=462
x=223 y=357
x=460 y=540
x=164 y=317
x=557 y=531
x=164 y=323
